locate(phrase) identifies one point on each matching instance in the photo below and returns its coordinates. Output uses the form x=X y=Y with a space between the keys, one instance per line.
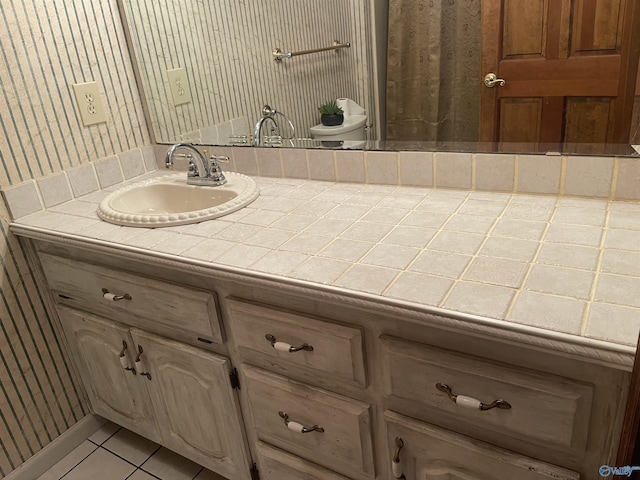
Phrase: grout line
x=516 y=173
x=563 y=176
x=80 y=462
x=614 y=179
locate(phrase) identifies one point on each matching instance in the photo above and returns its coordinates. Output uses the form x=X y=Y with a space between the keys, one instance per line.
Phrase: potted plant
x=331 y=114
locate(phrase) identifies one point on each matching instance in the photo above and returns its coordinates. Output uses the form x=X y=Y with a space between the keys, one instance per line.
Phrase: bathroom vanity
x=245 y=371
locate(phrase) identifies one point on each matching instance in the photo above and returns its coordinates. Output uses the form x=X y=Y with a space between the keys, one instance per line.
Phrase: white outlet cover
x=89 y=103
x=179 y=86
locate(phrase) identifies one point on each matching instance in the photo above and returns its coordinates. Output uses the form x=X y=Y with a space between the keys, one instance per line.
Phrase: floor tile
x=130 y=446
x=72 y=459
x=101 y=465
x=208 y=475
x=104 y=432
x=168 y=465
x=140 y=475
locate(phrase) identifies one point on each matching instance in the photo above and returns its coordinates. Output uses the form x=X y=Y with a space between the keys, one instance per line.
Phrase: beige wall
x=44 y=48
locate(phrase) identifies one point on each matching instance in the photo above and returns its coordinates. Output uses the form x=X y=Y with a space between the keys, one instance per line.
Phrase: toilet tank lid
x=350 y=123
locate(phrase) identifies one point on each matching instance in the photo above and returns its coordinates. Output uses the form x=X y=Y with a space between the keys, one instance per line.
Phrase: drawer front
x=276 y=464
x=429 y=452
x=545 y=409
x=337 y=350
x=153 y=305
x=345 y=444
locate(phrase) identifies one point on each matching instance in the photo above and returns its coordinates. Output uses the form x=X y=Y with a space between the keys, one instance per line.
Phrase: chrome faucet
x=204 y=172
x=267 y=114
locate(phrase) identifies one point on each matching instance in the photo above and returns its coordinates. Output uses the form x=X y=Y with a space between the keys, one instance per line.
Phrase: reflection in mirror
x=569 y=71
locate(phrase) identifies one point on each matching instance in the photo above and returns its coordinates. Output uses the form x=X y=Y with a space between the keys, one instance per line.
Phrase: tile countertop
x=569 y=265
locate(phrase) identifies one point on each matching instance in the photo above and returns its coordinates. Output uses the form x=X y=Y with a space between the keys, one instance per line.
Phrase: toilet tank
x=351 y=129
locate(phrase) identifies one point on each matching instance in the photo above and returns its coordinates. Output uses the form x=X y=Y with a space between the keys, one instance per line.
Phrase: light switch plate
x=179 y=86
x=89 y=103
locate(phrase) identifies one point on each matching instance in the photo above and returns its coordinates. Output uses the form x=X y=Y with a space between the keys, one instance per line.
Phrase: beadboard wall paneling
x=45 y=47
x=226 y=48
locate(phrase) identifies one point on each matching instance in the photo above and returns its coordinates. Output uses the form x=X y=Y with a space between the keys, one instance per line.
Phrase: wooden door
x=570 y=69
x=114 y=393
x=431 y=453
x=198 y=411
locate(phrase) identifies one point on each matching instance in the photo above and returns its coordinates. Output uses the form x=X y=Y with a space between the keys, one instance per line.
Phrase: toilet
x=352 y=129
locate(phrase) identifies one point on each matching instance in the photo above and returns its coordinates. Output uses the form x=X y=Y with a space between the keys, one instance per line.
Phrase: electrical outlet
x=179 y=86
x=89 y=103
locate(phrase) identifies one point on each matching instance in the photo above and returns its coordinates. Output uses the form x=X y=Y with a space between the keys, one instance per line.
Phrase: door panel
x=197 y=409
x=524 y=28
x=114 y=393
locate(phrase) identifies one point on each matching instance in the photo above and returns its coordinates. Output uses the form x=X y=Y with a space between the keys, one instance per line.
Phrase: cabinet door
x=197 y=410
x=431 y=453
x=115 y=393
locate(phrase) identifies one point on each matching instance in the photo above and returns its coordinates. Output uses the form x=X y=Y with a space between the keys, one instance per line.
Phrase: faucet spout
x=201 y=170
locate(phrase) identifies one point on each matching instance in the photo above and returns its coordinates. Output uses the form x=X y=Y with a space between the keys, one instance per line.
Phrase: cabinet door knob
x=124 y=361
x=139 y=366
x=396 y=466
x=285 y=347
x=298 y=427
x=471 y=403
x=114 y=298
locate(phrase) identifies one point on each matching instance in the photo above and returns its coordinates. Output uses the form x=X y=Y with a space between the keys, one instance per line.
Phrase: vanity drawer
x=276 y=464
x=153 y=305
x=337 y=350
x=546 y=410
x=431 y=452
x=345 y=444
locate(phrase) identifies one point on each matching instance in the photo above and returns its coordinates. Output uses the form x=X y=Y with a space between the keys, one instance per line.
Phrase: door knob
x=491 y=80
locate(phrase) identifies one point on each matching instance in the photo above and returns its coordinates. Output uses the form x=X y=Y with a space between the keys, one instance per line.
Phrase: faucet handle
x=219 y=158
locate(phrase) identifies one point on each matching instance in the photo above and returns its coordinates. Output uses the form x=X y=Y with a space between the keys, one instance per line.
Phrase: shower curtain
x=433 y=71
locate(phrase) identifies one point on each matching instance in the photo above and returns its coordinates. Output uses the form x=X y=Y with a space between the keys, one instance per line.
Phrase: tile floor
x=115 y=453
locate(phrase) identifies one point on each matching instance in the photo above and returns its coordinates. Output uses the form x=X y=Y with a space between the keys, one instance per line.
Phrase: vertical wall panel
x=45 y=47
x=226 y=48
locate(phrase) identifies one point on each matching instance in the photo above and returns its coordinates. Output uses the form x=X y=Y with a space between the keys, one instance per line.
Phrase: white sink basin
x=168 y=200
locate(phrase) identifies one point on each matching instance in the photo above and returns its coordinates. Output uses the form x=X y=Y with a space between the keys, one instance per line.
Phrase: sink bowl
x=168 y=200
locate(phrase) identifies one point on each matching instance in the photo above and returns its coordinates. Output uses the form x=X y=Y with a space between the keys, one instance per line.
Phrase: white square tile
x=349 y=212
x=392 y=256
x=168 y=465
x=516 y=228
x=83 y=180
x=416 y=168
x=497 y=271
x=539 y=173
x=441 y=263
x=350 y=166
x=293 y=223
x=382 y=167
x=245 y=161
x=622 y=239
x=529 y=211
x=279 y=262
x=624 y=219
x=574 y=234
x=579 y=216
x=149 y=158
x=366 y=198
x=618 y=289
x=269 y=162
x=178 y=244
x=589 y=176
x=101 y=465
x=574 y=256
x=613 y=323
x=141 y=475
x=482 y=207
x=434 y=203
x=294 y=163
x=425 y=219
x=315 y=208
x=549 y=312
x=401 y=199
x=237 y=232
x=385 y=215
x=621 y=262
x=130 y=446
x=321 y=270
x=261 y=217
x=419 y=288
x=23 y=199
x=104 y=433
x=69 y=461
x=283 y=204
x=132 y=163
x=494 y=172
x=321 y=165
x=269 y=238
x=108 y=172
x=410 y=236
x=628 y=181
x=560 y=281
x=479 y=299
x=348 y=250
x=330 y=227
x=367 y=278
x=469 y=223
x=365 y=231
x=308 y=243
x=453 y=170
x=457 y=242
x=208 y=475
x=511 y=248
x=208 y=249
x=242 y=255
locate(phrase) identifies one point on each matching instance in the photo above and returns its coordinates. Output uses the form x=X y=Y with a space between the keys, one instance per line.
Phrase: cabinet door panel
x=197 y=410
x=431 y=453
x=114 y=393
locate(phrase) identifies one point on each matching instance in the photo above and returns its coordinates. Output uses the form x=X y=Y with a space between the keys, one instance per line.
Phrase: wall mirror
x=464 y=75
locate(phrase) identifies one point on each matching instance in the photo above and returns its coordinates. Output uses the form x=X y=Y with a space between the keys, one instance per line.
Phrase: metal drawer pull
x=396 y=467
x=285 y=347
x=114 y=298
x=124 y=361
x=298 y=427
x=472 y=403
x=139 y=367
